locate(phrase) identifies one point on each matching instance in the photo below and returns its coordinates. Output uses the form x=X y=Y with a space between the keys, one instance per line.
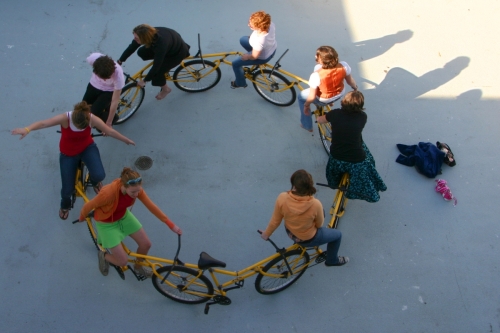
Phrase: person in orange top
x=326 y=84
x=115 y=222
x=304 y=217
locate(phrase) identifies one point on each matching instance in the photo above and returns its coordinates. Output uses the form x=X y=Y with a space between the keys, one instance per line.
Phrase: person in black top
x=162 y=45
x=348 y=152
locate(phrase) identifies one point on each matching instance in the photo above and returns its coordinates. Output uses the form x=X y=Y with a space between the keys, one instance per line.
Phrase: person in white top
x=106 y=84
x=326 y=84
x=261 y=46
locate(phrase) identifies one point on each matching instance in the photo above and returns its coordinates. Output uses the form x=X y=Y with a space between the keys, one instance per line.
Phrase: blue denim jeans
x=330 y=236
x=68 y=164
x=306 y=121
x=238 y=64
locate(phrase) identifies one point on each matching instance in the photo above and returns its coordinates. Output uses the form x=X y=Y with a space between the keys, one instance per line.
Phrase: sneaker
x=143 y=271
x=103 y=264
x=342 y=261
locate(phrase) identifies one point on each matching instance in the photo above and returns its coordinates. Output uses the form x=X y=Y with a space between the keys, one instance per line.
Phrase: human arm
x=115 y=99
x=160 y=49
x=56 y=120
x=100 y=125
x=320 y=214
x=350 y=81
x=251 y=55
x=150 y=205
x=128 y=51
x=275 y=221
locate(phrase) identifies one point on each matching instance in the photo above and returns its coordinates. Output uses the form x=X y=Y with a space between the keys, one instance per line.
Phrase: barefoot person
x=115 y=222
x=76 y=144
x=162 y=45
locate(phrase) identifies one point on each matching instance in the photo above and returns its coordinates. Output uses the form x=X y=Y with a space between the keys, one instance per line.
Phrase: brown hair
x=146 y=34
x=260 y=20
x=303 y=183
x=81 y=115
x=129 y=174
x=104 y=67
x=329 y=57
x=353 y=101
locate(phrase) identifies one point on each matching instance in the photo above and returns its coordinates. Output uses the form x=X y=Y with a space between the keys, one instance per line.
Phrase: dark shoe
x=342 y=261
x=63 y=214
x=449 y=158
x=103 y=264
x=234 y=86
x=97 y=188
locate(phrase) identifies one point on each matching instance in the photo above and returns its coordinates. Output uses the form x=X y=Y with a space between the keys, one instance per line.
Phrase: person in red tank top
x=76 y=144
x=326 y=84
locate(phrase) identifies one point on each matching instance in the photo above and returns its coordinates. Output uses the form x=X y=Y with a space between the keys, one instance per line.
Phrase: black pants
x=168 y=63
x=100 y=102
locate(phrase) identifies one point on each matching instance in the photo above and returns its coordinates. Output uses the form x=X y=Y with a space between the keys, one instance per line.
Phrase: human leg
x=143 y=246
x=68 y=166
x=145 y=53
x=92 y=159
x=305 y=120
x=331 y=237
x=245 y=42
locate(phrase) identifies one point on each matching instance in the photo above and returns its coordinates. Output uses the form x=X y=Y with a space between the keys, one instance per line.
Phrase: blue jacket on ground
x=425 y=156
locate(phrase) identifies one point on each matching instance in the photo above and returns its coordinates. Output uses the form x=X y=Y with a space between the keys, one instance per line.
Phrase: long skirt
x=364 y=180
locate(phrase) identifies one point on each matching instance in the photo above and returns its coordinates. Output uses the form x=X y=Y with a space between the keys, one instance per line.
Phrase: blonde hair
x=146 y=34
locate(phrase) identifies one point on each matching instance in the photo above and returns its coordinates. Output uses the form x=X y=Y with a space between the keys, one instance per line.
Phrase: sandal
x=97 y=188
x=449 y=158
x=342 y=261
x=234 y=86
x=63 y=213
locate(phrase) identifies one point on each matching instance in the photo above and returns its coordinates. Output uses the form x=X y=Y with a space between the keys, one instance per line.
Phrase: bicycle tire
x=180 y=276
x=325 y=135
x=275 y=89
x=130 y=100
x=196 y=76
x=84 y=176
x=298 y=262
x=93 y=231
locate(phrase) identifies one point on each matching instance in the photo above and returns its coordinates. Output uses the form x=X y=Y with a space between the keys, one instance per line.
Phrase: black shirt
x=347 y=142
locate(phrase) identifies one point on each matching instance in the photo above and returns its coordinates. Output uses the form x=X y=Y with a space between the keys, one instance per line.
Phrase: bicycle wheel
x=84 y=176
x=325 y=135
x=275 y=89
x=189 y=287
x=196 y=75
x=130 y=101
x=93 y=231
x=297 y=261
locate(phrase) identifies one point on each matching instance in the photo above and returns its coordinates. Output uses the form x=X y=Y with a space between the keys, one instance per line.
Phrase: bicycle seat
x=206 y=261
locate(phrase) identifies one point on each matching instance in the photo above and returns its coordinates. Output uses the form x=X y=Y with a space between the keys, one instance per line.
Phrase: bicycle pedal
x=320 y=258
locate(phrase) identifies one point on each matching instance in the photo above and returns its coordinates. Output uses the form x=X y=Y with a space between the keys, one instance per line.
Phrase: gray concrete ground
x=418 y=264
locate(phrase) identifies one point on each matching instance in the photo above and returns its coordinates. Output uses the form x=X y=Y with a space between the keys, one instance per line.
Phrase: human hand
x=263 y=235
x=307 y=110
x=130 y=142
x=20 y=131
x=177 y=230
x=119 y=62
x=141 y=83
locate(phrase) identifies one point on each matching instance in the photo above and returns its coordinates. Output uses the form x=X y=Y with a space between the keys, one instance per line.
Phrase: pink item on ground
x=442 y=188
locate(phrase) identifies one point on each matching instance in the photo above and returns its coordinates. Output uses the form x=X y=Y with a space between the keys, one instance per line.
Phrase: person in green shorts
x=115 y=222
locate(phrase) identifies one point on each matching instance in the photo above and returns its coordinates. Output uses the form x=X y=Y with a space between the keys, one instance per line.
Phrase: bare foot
x=306 y=129
x=163 y=93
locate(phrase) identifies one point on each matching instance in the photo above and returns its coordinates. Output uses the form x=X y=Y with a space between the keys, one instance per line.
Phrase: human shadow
x=372 y=48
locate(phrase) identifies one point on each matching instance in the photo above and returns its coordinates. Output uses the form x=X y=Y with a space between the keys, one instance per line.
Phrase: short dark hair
x=104 y=67
x=303 y=183
x=353 y=101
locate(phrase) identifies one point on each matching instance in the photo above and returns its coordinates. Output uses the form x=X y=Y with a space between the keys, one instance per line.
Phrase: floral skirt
x=364 y=180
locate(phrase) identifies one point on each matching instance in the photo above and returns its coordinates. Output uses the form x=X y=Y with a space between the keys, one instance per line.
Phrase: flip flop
x=449 y=158
x=63 y=214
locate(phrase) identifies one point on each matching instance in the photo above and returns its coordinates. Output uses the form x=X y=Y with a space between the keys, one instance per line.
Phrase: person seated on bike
x=105 y=86
x=304 y=217
x=76 y=145
x=348 y=152
x=326 y=84
x=261 y=46
x=164 y=46
x=115 y=222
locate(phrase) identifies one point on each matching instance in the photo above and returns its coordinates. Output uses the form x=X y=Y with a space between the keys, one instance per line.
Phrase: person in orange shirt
x=304 y=217
x=115 y=222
